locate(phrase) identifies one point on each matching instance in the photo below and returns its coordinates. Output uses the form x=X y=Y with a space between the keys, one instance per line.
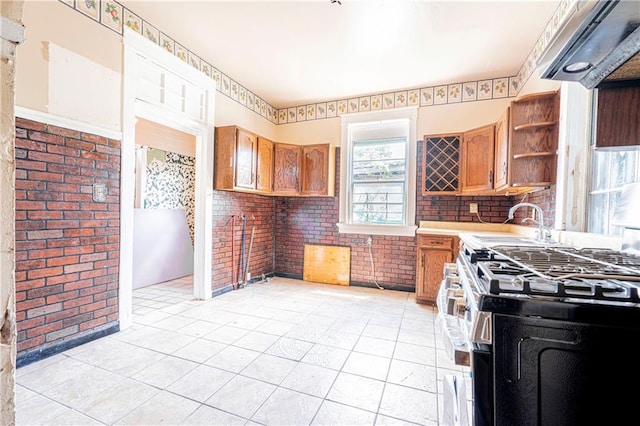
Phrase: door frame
x=135 y=46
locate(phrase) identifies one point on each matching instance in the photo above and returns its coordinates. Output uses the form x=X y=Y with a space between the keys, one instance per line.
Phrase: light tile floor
x=278 y=352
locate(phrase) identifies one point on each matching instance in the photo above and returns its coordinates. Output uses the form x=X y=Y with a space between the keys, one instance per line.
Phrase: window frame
x=351 y=121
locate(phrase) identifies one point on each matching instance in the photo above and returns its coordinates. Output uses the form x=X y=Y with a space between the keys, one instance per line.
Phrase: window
x=378 y=173
x=611 y=169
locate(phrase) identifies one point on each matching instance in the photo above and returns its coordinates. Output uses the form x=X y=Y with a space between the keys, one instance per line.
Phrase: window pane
x=597 y=213
x=379 y=160
x=600 y=176
x=623 y=167
x=378 y=203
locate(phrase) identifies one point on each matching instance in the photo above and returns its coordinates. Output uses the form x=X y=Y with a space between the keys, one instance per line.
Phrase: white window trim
x=344 y=227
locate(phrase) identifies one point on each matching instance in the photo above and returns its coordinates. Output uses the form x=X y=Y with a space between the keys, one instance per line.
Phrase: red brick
x=101 y=304
x=24 y=345
x=30 y=205
x=59 y=334
x=78 y=302
x=62 y=261
x=62 y=297
x=46 y=253
x=61 y=315
x=45 y=272
x=93 y=323
x=22 y=285
x=78 y=284
x=46 y=137
x=32 y=215
x=31 y=165
x=45 y=176
x=62 y=279
x=29 y=265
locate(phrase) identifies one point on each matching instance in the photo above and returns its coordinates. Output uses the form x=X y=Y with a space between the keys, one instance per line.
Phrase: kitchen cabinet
x=618 y=117
x=287 y=160
x=235 y=158
x=318 y=170
x=477 y=159
x=433 y=252
x=264 y=165
x=441 y=164
x=501 y=152
x=243 y=161
x=533 y=140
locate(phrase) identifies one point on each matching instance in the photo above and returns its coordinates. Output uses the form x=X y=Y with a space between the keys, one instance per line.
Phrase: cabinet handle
x=490 y=176
x=436 y=243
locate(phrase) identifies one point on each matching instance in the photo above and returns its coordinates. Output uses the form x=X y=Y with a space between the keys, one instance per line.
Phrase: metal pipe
x=242 y=244
x=233 y=237
x=247 y=276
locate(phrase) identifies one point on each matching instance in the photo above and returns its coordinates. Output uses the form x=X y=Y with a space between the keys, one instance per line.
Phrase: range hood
x=598 y=44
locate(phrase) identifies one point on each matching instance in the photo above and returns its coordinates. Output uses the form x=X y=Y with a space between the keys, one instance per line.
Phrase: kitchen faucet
x=543 y=233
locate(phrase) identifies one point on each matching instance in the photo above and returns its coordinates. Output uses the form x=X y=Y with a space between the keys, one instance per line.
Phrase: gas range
x=535 y=323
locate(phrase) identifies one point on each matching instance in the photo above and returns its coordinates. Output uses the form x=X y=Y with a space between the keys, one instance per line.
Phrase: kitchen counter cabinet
x=434 y=250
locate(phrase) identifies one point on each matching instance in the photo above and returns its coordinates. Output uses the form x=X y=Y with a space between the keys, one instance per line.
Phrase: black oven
x=551 y=333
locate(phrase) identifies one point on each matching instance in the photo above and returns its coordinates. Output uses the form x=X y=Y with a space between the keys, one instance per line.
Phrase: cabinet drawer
x=436 y=242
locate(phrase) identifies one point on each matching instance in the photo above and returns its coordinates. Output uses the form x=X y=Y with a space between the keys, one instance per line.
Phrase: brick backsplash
x=228 y=207
x=67 y=245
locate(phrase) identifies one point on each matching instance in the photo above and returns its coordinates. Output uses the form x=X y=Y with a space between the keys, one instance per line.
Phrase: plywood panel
x=327 y=264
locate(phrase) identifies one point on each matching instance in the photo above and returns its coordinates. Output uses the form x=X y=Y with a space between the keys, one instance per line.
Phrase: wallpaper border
x=114 y=16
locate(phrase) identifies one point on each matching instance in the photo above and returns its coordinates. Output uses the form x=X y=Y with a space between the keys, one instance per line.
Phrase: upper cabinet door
x=246 y=145
x=618 y=118
x=441 y=164
x=264 y=180
x=286 y=169
x=316 y=178
x=501 y=165
x=477 y=159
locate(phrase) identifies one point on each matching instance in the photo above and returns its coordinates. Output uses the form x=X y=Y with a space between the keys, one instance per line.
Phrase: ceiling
x=300 y=52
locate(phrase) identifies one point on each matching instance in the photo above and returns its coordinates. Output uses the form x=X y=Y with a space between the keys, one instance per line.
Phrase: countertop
x=467 y=230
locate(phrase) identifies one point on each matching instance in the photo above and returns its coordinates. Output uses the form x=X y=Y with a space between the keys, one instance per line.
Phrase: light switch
x=99 y=192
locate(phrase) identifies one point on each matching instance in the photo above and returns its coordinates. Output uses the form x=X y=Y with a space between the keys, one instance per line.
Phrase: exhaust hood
x=598 y=44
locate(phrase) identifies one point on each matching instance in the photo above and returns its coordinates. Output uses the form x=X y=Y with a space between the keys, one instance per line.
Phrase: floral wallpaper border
x=114 y=16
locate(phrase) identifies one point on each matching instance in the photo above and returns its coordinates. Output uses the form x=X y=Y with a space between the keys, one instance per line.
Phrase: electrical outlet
x=473 y=207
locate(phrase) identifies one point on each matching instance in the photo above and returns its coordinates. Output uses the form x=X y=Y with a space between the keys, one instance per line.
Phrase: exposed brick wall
x=67 y=245
x=300 y=221
x=312 y=220
x=546 y=199
x=259 y=209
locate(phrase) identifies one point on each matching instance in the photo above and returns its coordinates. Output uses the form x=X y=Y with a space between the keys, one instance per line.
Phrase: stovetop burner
x=558 y=273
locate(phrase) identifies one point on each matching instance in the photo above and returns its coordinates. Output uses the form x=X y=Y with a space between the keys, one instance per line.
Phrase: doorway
x=171 y=101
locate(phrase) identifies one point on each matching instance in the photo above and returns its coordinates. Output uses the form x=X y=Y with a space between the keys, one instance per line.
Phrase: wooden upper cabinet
x=477 y=159
x=441 y=164
x=246 y=148
x=501 y=164
x=318 y=175
x=533 y=140
x=286 y=169
x=243 y=161
x=618 y=117
x=264 y=166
